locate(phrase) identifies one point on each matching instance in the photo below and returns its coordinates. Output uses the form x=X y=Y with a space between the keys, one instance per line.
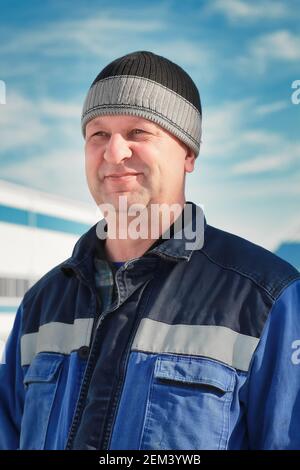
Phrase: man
x=142 y=343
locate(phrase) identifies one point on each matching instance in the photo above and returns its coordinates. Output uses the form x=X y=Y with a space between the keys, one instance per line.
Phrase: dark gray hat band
x=139 y=96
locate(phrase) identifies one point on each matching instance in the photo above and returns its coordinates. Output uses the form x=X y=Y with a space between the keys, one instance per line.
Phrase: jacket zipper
x=90 y=363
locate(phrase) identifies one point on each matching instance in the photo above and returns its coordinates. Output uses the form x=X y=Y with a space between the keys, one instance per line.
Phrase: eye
x=96 y=136
x=99 y=133
x=137 y=131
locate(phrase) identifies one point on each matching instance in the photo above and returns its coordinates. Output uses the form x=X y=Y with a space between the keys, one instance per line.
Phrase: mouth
x=117 y=176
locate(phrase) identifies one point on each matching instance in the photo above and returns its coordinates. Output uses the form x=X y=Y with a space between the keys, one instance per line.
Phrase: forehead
x=120 y=120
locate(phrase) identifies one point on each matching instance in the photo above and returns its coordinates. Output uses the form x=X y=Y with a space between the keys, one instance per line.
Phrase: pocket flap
x=196 y=371
x=43 y=368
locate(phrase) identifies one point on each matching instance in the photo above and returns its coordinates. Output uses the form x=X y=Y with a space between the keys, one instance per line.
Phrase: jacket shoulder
x=235 y=253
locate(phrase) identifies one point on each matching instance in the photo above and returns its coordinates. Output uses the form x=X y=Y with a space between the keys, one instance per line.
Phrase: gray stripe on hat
x=56 y=337
x=216 y=342
x=146 y=98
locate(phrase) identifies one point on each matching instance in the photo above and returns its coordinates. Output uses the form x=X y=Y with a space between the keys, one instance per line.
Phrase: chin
x=128 y=200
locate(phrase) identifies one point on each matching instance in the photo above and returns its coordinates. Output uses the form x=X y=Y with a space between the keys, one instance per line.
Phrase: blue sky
x=243 y=56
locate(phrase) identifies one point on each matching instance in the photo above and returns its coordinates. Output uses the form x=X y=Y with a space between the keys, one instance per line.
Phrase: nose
x=117 y=149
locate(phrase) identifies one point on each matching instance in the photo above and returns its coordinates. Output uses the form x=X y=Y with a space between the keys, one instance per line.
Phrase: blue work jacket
x=200 y=349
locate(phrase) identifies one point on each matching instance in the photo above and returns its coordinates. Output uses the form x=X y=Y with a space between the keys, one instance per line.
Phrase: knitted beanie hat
x=150 y=86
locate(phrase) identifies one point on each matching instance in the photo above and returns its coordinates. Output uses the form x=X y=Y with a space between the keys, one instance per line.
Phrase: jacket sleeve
x=273 y=391
x=11 y=389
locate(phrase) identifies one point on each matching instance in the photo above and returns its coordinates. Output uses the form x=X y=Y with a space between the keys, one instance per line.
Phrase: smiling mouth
x=122 y=176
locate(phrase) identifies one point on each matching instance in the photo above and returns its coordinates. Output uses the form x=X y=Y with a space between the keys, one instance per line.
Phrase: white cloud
x=257 y=137
x=183 y=51
x=60 y=109
x=102 y=36
x=20 y=124
x=23 y=122
x=231 y=133
x=230 y=128
x=272 y=107
x=288 y=155
x=222 y=126
x=260 y=164
x=58 y=167
x=88 y=35
x=288 y=232
x=281 y=46
x=246 y=11
x=60 y=171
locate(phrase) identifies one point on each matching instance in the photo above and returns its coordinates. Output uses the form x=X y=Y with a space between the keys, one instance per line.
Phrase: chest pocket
x=40 y=381
x=188 y=405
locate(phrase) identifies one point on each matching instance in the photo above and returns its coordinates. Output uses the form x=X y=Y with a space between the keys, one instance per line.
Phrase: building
x=37 y=232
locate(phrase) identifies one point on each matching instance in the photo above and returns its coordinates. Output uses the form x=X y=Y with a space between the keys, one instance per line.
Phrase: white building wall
x=28 y=252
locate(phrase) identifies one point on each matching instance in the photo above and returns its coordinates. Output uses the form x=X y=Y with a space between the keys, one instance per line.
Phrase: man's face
x=133 y=157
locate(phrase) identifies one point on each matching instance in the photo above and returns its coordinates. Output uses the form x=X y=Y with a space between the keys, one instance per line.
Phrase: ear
x=190 y=159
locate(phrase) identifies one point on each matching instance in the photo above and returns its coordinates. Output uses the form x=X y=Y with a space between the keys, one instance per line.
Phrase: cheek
x=92 y=160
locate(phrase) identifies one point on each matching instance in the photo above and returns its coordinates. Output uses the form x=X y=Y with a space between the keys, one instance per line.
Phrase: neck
x=133 y=236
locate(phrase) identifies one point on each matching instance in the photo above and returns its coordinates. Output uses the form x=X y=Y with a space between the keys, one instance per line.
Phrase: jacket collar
x=186 y=236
